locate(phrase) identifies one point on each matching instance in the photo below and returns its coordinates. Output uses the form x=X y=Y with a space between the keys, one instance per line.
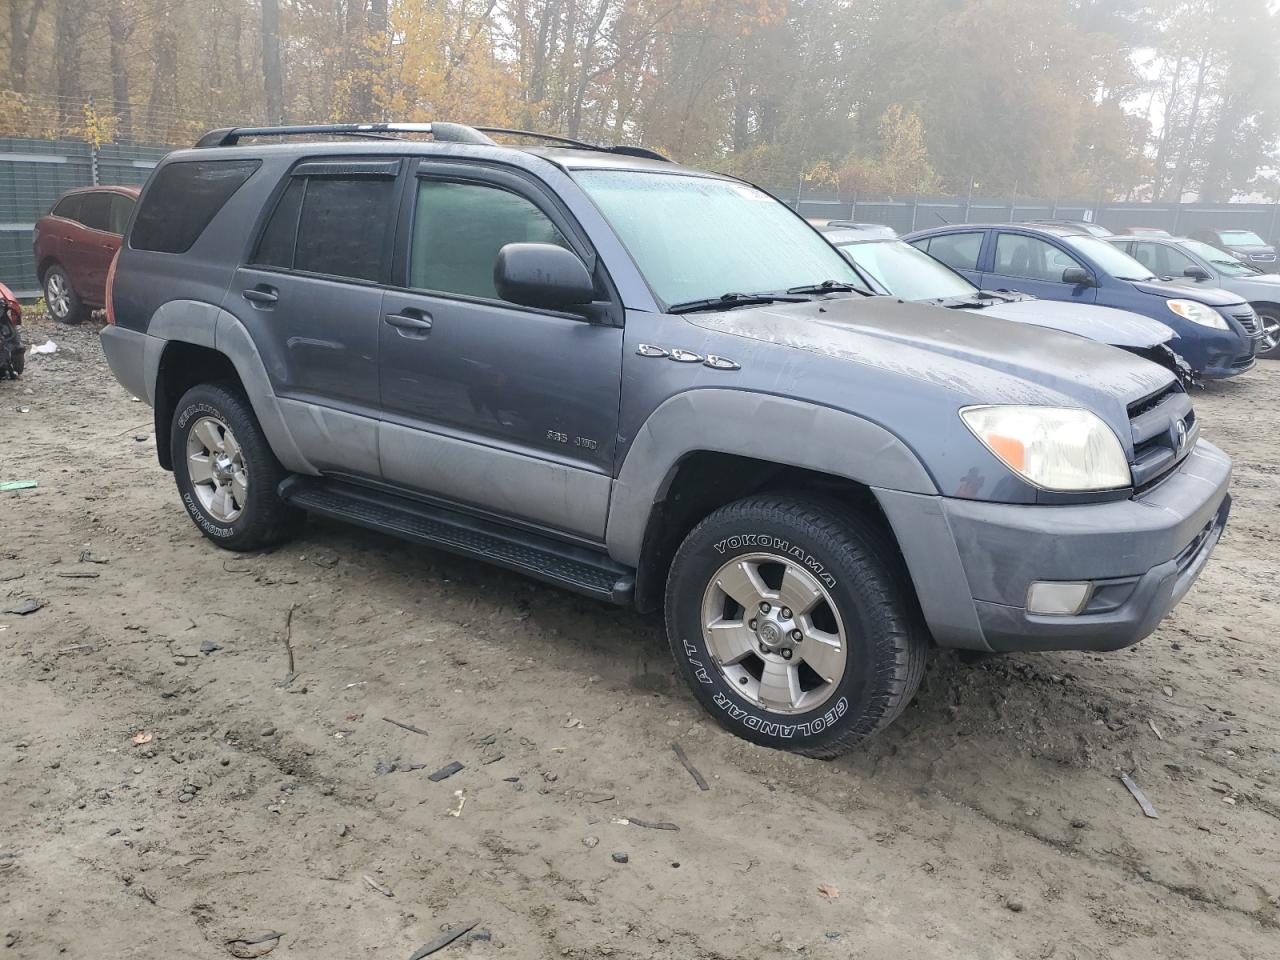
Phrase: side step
x=575 y=568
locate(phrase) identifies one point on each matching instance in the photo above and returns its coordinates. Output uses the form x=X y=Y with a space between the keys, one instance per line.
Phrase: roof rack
x=620 y=149
x=446 y=132
x=451 y=132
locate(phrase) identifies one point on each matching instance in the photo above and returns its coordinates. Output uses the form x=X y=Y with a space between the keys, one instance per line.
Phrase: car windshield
x=1241 y=238
x=698 y=238
x=1112 y=261
x=1223 y=262
x=907 y=272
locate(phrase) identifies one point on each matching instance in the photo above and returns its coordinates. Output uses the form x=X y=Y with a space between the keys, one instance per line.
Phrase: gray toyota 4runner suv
x=654 y=386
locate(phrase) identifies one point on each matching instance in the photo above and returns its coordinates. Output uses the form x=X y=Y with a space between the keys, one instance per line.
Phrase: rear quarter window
x=183 y=199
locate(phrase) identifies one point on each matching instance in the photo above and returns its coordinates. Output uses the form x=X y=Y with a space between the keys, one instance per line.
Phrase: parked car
x=871 y=230
x=654 y=386
x=1196 y=262
x=1088 y=226
x=897 y=269
x=1218 y=332
x=74 y=244
x=1243 y=245
x=1146 y=231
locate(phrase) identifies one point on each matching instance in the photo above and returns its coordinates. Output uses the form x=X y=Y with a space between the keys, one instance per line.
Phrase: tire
x=1269 y=317
x=226 y=473
x=60 y=297
x=794 y=544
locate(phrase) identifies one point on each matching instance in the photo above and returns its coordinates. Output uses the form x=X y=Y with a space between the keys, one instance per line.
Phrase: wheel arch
x=702 y=449
x=203 y=344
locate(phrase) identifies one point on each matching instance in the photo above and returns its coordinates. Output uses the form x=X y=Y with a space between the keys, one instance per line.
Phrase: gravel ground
x=988 y=822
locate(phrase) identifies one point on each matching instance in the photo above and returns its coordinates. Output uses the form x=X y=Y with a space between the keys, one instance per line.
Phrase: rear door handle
x=262 y=295
x=414 y=321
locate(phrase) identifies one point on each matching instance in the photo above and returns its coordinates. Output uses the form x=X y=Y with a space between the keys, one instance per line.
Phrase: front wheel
x=1269 y=347
x=793 y=622
x=225 y=470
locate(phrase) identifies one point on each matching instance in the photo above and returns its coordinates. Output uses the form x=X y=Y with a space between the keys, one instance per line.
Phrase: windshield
x=1225 y=263
x=697 y=238
x=907 y=272
x=1110 y=259
x=1239 y=238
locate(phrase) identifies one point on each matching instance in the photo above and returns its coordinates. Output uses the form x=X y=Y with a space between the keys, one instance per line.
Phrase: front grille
x=1247 y=319
x=1164 y=429
x=1263 y=257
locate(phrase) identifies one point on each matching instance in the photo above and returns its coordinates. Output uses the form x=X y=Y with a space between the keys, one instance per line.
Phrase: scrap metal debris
x=1155 y=729
x=444 y=773
x=693 y=771
x=1141 y=797
x=25 y=608
x=647 y=824
x=404 y=726
x=442 y=941
x=17 y=485
x=254 y=946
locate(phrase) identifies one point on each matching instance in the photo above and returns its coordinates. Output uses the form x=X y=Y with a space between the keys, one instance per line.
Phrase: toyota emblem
x=1180 y=435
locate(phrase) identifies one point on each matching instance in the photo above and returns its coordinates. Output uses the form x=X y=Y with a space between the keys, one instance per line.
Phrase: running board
x=575 y=568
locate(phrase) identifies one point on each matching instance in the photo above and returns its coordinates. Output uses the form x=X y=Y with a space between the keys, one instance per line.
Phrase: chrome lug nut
x=753 y=624
x=786 y=613
x=797 y=636
x=764 y=606
x=786 y=653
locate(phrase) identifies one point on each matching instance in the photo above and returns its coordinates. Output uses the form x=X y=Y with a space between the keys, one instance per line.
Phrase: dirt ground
x=989 y=822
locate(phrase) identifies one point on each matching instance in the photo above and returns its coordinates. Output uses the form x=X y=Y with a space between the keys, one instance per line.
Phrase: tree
x=272 y=75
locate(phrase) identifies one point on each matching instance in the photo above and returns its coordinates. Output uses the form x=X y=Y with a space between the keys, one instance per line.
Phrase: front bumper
x=972 y=561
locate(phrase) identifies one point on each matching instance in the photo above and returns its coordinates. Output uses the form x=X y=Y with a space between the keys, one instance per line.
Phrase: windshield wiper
x=728 y=300
x=826 y=286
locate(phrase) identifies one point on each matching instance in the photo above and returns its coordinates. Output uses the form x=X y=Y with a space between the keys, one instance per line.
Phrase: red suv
x=74 y=245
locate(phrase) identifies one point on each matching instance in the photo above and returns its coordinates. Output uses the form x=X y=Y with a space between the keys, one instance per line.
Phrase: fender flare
x=760 y=426
x=206 y=325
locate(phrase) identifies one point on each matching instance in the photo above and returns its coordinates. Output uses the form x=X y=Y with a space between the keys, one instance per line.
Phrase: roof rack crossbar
x=452 y=132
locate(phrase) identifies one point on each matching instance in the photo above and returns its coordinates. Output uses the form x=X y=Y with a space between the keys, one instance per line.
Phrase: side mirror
x=1196 y=273
x=542 y=275
x=1077 y=277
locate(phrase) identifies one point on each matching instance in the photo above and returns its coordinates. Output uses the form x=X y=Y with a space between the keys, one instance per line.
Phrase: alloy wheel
x=774 y=633
x=215 y=465
x=57 y=295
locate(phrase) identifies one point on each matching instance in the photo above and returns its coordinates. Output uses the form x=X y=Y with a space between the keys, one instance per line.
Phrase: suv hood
x=1104 y=324
x=1189 y=290
x=974 y=358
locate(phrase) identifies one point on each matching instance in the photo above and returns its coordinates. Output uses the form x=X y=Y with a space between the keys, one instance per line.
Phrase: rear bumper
x=133 y=358
x=972 y=562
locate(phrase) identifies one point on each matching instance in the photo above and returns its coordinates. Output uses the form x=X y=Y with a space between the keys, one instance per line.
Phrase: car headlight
x=1055 y=448
x=1198 y=313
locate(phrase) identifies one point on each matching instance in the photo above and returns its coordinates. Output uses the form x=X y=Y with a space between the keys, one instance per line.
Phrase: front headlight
x=1055 y=448
x=1198 y=313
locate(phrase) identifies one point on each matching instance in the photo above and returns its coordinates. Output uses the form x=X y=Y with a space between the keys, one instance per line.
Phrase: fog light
x=1057 y=599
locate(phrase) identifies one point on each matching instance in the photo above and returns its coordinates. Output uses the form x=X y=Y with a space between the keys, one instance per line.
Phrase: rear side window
x=332 y=220
x=95 y=210
x=182 y=200
x=458 y=230
x=69 y=207
x=121 y=208
x=957 y=250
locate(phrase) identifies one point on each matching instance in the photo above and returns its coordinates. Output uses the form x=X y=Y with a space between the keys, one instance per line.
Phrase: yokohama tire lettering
x=769 y=542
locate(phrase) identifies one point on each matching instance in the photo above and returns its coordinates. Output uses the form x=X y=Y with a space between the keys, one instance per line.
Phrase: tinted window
x=957 y=250
x=95 y=210
x=275 y=248
x=121 y=208
x=69 y=207
x=1031 y=258
x=182 y=200
x=342 y=227
x=458 y=229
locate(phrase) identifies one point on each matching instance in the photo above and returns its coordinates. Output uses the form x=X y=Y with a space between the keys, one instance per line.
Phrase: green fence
x=33 y=173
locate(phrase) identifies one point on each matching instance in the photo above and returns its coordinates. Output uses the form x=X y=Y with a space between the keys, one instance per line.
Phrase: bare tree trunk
x=21 y=27
x=272 y=77
x=119 y=32
x=585 y=74
x=68 y=29
x=163 y=107
x=1186 y=155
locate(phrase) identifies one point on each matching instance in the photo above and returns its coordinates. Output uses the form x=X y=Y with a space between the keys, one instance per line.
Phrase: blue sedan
x=1218 y=332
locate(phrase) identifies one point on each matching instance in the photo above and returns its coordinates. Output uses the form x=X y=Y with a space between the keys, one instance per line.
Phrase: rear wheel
x=64 y=305
x=793 y=622
x=225 y=470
